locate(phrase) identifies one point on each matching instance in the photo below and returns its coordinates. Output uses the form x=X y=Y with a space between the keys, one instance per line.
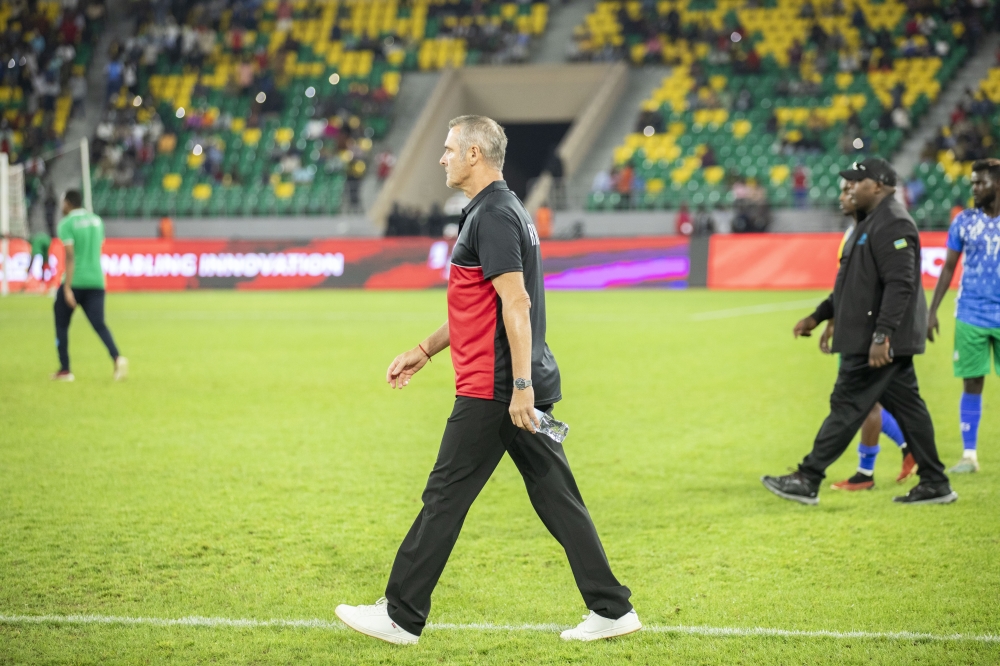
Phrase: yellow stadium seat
x=251 y=136
x=284 y=190
x=202 y=191
x=172 y=182
x=779 y=174
x=714 y=174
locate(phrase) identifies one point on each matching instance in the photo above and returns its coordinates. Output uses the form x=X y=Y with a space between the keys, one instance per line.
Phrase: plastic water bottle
x=557 y=430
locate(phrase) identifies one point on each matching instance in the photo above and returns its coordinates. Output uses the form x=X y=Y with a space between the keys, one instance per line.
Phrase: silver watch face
x=522 y=384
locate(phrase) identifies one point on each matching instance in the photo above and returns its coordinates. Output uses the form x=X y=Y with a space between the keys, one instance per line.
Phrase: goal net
x=16 y=212
x=13 y=223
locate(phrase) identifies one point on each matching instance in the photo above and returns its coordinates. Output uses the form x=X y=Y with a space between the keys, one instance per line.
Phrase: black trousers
x=475 y=439
x=92 y=303
x=858 y=388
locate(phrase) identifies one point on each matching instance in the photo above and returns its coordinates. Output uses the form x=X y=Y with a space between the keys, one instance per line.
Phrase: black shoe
x=795 y=487
x=925 y=493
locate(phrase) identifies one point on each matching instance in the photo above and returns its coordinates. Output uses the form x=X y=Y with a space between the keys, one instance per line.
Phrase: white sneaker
x=374 y=621
x=121 y=368
x=594 y=627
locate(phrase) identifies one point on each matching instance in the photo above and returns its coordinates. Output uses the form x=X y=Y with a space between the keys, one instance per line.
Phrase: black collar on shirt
x=492 y=187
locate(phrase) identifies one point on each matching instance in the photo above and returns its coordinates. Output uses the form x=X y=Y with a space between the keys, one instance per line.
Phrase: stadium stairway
x=625 y=115
x=414 y=91
x=65 y=170
x=969 y=76
x=552 y=47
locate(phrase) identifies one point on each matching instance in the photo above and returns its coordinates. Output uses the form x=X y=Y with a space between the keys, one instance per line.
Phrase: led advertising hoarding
x=390 y=263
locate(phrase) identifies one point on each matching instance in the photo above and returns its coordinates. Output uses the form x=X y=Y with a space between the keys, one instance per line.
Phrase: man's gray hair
x=485 y=133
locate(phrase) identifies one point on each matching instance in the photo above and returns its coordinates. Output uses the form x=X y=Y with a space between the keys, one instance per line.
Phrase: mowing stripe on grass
x=196 y=621
x=763 y=308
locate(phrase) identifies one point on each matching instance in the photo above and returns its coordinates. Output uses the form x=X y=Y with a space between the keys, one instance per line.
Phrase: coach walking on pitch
x=881 y=313
x=504 y=371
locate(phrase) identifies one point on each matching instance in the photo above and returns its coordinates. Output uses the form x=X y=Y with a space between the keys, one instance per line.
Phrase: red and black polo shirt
x=496 y=236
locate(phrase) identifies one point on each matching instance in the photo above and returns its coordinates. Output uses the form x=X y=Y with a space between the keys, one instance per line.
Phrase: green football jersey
x=85 y=232
x=40 y=243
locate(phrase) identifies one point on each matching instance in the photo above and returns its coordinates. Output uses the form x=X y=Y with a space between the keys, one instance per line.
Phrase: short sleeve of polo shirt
x=65 y=233
x=498 y=244
x=955 y=241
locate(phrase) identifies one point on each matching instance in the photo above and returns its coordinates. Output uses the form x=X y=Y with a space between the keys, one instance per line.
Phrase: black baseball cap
x=875 y=168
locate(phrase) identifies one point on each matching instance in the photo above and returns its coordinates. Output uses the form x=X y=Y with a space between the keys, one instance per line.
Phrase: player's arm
x=404 y=366
x=68 y=280
x=944 y=281
x=825 y=337
x=517 y=321
x=823 y=312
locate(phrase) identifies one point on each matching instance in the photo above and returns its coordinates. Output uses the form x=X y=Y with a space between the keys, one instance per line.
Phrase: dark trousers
x=475 y=439
x=92 y=303
x=858 y=388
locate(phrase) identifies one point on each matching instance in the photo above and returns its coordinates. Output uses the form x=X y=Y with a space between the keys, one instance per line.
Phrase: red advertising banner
x=384 y=263
x=798 y=261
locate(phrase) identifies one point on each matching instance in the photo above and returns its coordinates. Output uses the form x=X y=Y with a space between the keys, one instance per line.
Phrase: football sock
x=891 y=428
x=969 y=412
x=866 y=455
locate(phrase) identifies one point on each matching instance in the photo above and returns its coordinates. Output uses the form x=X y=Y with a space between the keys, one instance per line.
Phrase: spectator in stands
x=800 y=186
x=704 y=223
x=78 y=92
x=115 y=73
x=603 y=182
x=683 y=224
x=623 y=185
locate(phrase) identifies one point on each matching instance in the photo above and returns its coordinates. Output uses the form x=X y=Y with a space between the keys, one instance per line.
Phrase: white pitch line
x=753 y=309
x=197 y=621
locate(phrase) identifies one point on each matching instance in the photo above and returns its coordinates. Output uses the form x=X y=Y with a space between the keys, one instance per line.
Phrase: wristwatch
x=521 y=384
x=878 y=338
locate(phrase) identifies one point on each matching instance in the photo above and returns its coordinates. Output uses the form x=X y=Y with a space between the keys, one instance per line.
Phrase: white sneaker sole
x=811 y=501
x=613 y=632
x=388 y=638
x=121 y=369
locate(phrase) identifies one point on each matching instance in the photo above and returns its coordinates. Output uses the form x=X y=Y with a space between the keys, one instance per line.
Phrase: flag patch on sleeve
x=900 y=244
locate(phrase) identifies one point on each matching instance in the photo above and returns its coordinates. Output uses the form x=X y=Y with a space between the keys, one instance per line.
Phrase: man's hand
x=933 y=325
x=70 y=298
x=805 y=327
x=878 y=355
x=404 y=366
x=522 y=409
x=825 y=337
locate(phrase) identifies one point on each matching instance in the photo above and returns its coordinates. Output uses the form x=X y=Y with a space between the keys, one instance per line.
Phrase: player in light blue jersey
x=976 y=234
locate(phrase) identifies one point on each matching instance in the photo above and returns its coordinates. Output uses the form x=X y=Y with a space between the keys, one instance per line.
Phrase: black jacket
x=878 y=287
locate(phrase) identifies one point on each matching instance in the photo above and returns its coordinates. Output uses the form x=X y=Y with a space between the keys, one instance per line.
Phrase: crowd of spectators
x=655 y=33
x=499 y=43
x=136 y=129
x=44 y=51
x=971 y=133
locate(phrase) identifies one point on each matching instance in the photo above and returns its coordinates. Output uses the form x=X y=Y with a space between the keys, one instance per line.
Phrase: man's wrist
x=521 y=384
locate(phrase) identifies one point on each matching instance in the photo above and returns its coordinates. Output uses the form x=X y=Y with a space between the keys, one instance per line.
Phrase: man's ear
x=474 y=155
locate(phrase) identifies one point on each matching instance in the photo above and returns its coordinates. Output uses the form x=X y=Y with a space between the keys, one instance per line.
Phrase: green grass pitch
x=255 y=465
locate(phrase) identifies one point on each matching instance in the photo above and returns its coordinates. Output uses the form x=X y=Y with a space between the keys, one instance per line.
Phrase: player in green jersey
x=82 y=234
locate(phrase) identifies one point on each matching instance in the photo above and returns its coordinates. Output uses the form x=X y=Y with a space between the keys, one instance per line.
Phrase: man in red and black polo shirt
x=503 y=372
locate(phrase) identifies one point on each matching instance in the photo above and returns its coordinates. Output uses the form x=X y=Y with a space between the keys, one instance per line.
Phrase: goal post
x=13 y=215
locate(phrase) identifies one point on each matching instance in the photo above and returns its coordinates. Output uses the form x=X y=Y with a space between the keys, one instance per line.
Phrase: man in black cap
x=878 y=303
